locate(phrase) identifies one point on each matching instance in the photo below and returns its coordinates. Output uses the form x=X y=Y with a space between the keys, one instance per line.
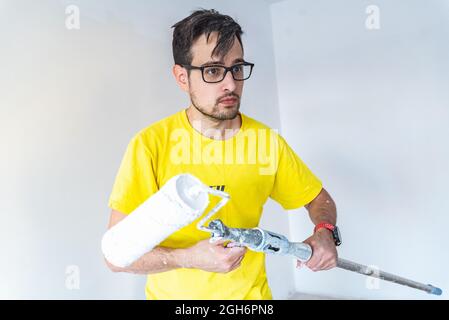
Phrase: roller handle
x=302 y=251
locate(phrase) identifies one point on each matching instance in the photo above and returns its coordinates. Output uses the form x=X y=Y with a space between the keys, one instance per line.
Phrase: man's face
x=209 y=98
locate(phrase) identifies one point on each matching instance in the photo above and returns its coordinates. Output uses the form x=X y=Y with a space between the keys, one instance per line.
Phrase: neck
x=213 y=128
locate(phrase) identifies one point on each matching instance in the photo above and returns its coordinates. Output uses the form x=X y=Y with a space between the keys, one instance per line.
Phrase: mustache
x=229 y=95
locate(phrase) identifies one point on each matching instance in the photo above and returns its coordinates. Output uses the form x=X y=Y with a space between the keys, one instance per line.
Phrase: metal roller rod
x=365 y=270
x=269 y=242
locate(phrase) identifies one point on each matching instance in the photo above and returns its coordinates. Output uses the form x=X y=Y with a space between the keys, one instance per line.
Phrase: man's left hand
x=324 y=252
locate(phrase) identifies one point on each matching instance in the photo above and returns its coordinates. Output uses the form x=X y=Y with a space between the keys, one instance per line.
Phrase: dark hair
x=204 y=22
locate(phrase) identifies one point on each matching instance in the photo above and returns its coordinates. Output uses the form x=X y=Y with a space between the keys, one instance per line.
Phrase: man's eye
x=212 y=71
x=237 y=69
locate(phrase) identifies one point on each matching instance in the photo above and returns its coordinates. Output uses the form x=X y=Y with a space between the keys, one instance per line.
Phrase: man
x=225 y=149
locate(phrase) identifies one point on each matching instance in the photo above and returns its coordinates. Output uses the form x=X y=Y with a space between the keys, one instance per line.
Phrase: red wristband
x=326 y=225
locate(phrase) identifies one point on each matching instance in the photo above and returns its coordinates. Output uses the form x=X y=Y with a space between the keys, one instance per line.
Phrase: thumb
x=217 y=241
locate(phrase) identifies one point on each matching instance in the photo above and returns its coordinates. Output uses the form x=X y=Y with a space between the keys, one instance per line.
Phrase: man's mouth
x=228 y=101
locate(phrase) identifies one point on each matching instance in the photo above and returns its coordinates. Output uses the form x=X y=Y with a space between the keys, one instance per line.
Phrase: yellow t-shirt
x=256 y=163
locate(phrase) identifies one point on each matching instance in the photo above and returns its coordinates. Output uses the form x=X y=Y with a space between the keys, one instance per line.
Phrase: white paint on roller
x=179 y=202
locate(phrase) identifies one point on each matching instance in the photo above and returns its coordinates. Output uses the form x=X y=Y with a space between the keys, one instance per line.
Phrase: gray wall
x=70 y=101
x=368 y=110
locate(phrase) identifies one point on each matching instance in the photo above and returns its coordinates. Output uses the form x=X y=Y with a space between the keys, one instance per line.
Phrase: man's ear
x=181 y=77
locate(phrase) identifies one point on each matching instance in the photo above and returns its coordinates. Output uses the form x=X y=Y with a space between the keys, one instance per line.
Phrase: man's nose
x=228 y=82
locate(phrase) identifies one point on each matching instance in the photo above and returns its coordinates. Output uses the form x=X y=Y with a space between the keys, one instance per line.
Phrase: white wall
x=366 y=110
x=70 y=101
x=369 y=113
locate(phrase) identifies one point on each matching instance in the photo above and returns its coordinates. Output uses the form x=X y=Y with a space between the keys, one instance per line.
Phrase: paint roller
x=182 y=200
x=178 y=203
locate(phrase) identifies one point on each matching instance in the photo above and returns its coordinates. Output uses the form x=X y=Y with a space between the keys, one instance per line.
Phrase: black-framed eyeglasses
x=216 y=73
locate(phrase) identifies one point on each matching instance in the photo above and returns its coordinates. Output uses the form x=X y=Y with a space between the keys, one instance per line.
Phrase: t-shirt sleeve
x=135 y=181
x=295 y=185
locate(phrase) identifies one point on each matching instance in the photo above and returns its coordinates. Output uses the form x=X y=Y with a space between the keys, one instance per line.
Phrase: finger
x=329 y=267
x=237 y=251
x=325 y=264
x=233 y=244
x=237 y=263
x=239 y=260
x=330 y=264
x=316 y=264
x=217 y=240
x=234 y=267
x=299 y=264
x=314 y=261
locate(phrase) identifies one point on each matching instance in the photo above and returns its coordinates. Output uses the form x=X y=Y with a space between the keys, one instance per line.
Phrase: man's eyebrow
x=221 y=62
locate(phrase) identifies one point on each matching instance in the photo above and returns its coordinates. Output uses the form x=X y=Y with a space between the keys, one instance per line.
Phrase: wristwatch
x=334 y=229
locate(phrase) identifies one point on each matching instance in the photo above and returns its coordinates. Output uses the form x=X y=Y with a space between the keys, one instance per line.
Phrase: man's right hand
x=212 y=257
